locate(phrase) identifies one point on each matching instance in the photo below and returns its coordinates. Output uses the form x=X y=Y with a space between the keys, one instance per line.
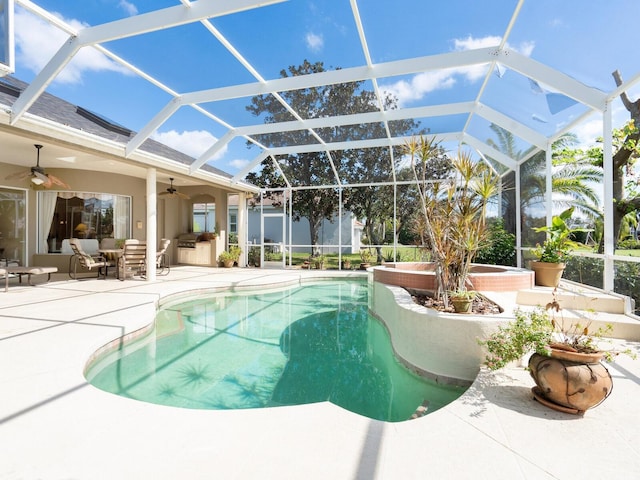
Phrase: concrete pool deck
x=54 y=425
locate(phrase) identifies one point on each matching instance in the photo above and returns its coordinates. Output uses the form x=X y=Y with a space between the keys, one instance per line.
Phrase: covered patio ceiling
x=515 y=69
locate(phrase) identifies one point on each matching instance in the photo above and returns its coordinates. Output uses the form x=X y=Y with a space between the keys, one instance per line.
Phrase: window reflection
x=204 y=217
x=81 y=215
x=12 y=226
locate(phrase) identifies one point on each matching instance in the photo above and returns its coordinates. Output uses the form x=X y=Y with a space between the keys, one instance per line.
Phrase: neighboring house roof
x=57 y=110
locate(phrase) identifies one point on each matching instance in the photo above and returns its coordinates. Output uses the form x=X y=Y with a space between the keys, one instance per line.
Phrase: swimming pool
x=305 y=344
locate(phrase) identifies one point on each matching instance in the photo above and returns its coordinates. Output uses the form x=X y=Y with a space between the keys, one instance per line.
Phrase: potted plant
x=225 y=259
x=555 y=249
x=318 y=261
x=462 y=300
x=365 y=259
x=229 y=257
x=346 y=264
x=565 y=363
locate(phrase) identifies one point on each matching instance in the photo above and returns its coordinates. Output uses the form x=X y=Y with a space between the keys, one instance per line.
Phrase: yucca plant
x=453 y=223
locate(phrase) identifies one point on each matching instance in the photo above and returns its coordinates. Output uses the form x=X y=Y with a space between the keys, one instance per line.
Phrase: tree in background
x=500 y=248
x=575 y=170
x=318 y=168
x=439 y=167
x=626 y=149
x=572 y=179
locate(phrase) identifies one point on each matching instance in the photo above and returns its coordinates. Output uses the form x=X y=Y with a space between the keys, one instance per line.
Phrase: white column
x=607 y=162
x=242 y=225
x=290 y=225
x=549 y=185
x=261 y=230
x=518 y=218
x=152 y=224
x=340 y=228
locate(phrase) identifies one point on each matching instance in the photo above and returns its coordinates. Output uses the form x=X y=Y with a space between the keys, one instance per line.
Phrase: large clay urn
x=547 y=274
x=569 y=381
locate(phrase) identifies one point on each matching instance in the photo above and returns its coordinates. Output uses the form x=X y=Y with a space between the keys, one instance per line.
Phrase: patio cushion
x=89 y=245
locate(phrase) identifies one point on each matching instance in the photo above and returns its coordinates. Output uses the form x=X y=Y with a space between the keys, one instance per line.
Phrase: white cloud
x=588 y=131
x=128 y=7
x=239 y=163
x=424 y=83
x=556 y=23
x=37 y=41
x=471 y=43
x=476 y=72
x=420 y=85
x=592 y=128
x=193 y=143
x=314 y=42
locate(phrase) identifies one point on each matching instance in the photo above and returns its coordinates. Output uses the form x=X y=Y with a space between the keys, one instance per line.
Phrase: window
x=13 y=226
x=81 y=215
x=204 y=217
x=233 y=223
x=6 y=37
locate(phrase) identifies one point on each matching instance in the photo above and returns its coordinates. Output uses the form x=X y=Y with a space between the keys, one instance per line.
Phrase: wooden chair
x=86 y=261
x=133 y=259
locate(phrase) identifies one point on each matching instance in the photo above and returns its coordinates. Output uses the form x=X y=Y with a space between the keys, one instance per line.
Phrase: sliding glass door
x=13 y=226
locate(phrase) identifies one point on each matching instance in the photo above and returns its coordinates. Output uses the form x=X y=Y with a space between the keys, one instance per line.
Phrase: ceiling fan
x=38 y=176
x=172 y=192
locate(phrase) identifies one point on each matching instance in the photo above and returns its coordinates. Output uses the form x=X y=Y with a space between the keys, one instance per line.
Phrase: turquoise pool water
x=306 y=344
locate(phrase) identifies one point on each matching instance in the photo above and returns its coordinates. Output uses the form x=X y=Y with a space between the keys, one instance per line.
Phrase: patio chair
x=133 y=258
x=162 y=263
x=110 y=251
x=86 y=261
x=4 y=274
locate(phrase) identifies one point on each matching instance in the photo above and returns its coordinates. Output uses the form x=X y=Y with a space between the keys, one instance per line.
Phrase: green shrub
x=629 y=244
x=388 y=255
x=585 y=270
x=500 y=248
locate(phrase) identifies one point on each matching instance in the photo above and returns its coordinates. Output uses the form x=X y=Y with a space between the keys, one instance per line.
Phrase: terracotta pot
x=572 y=386
x=228 y=263
x=547 y=274
x=461 y=304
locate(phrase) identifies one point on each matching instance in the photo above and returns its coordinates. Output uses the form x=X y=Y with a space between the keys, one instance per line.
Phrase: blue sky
x=587 y=40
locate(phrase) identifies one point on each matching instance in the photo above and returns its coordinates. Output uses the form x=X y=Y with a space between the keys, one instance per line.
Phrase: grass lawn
x=630 y=253
x=404 y=254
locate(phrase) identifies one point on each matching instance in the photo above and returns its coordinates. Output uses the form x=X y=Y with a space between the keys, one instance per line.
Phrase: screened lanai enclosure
x=316 y=102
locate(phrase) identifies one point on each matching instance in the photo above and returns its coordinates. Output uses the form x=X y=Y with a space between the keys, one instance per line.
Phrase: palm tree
x=572 y=181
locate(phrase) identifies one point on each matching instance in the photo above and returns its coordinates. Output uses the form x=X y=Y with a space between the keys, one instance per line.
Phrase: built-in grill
x=187 y=240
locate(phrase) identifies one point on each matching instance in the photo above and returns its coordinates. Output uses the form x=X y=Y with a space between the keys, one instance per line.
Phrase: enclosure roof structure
x=183 y=72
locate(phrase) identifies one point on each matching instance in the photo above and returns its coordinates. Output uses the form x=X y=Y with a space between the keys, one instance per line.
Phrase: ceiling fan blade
x=18 y=175
x=41 y=176
x=55 y=180
x=173 y=194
